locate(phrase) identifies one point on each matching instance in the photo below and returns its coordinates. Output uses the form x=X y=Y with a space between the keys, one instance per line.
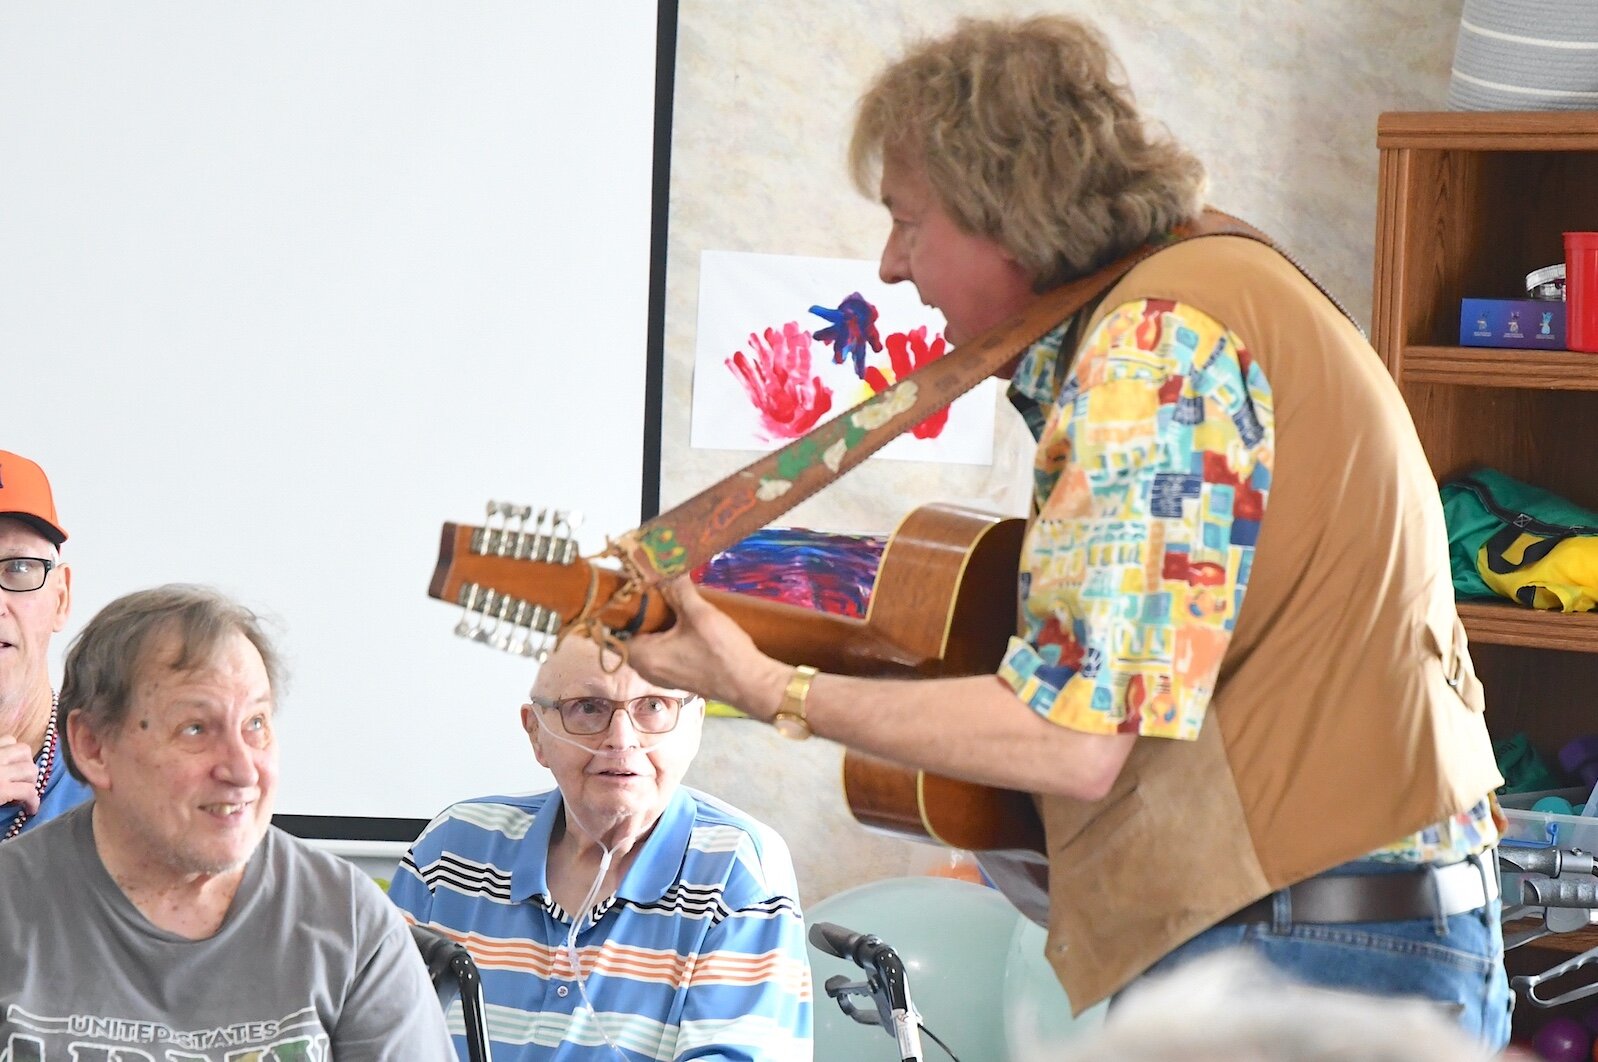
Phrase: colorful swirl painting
x=823 y=570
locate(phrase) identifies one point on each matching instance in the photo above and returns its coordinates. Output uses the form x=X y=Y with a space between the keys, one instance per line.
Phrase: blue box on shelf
x=1529 y=323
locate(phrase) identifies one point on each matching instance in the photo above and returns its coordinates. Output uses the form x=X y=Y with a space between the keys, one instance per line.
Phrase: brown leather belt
x=1427 y=892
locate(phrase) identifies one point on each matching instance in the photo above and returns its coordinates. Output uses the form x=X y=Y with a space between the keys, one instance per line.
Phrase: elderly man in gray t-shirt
x=166 y=920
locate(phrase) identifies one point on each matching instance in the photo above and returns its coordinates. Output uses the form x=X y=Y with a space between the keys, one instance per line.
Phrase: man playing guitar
x=1238 y=690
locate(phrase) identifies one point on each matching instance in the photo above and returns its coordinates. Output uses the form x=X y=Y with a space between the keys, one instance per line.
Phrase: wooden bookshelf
x=1542 y=370
x=1505 y=623
x=1468 y=204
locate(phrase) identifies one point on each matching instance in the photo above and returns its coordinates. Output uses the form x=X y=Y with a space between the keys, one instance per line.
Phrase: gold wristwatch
x=790 y=719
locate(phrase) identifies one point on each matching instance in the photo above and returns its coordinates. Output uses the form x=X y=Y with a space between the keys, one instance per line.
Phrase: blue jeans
x=1457 y=961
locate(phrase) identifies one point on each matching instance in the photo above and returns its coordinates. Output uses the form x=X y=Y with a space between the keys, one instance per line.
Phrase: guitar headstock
x=512 y=577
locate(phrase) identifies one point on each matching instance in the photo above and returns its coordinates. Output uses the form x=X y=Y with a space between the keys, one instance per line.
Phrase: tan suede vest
x=1347 y=713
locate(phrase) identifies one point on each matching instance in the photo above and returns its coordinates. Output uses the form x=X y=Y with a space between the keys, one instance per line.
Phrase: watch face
x=791 y=726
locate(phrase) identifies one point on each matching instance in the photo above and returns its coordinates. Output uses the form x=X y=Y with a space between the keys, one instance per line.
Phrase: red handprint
x=908 y=351
x=790 y=400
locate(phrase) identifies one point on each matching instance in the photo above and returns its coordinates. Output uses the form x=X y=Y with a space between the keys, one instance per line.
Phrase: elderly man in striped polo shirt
x=620 y=915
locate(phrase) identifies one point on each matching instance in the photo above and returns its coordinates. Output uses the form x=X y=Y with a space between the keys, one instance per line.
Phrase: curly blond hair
x=1028 y=133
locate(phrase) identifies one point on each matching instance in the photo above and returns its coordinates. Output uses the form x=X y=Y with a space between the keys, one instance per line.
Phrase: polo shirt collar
x=527 y=877
x=659 y=865
x=654 y=871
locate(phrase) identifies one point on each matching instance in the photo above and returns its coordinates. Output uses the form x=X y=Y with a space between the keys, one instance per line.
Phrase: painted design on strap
x=660 y=553
x=659 y=550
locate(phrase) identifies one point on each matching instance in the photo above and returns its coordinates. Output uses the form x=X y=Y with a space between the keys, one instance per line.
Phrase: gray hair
x=1233 y=1007
x=105 y=659
x=1029 y=135
x=36 y=527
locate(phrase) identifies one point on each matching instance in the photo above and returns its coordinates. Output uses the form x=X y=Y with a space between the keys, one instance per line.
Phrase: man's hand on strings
x=707 y=653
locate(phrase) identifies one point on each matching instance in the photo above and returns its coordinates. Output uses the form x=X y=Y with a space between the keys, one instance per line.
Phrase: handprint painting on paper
x=776 y=375
x=785 y=343
x=852 y=332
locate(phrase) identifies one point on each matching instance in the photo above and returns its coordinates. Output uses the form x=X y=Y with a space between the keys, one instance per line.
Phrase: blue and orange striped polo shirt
x=700 y=954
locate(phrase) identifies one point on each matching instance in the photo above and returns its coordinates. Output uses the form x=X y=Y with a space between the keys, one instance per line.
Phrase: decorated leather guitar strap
x=681 y=539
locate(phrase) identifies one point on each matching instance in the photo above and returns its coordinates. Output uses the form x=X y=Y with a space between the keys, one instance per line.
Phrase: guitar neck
x=788 y=632
x=796 y=635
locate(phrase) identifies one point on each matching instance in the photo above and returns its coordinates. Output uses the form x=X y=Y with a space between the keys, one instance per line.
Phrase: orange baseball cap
x=25 y=494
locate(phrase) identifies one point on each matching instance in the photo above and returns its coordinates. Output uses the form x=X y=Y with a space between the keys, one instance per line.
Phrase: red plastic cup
x=1581 y=291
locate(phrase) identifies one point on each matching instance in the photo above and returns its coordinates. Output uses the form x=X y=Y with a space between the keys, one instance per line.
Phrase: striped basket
x=1526 y=55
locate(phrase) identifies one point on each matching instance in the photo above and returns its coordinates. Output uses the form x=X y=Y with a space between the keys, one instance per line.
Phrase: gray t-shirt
x=312 y=964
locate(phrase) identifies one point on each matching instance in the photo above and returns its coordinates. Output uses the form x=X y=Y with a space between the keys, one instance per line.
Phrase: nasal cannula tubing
x=589 y=900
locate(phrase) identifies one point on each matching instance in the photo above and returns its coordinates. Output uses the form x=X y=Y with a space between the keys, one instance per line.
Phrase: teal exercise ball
x=1037 y=1013
x=952 y=937
x=960 y=944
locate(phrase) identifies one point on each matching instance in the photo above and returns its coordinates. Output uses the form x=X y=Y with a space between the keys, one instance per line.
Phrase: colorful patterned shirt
x=1155 y=453
x=699 y=955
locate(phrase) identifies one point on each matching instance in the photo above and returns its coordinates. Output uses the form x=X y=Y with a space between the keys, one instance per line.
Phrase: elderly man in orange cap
x=35 y=598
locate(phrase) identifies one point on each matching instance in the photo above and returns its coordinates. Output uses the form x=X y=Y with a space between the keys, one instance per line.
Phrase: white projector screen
x=285 y=285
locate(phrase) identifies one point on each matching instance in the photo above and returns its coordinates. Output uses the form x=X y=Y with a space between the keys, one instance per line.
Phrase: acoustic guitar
x=944 y=603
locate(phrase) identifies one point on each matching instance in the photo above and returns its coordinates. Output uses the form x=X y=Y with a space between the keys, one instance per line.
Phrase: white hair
x=1233 y=1007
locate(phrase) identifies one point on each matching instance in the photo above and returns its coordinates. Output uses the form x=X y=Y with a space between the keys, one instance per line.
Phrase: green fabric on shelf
x=1523 y=768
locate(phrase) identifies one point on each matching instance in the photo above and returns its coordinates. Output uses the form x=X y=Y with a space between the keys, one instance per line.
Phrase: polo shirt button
x=561 y=991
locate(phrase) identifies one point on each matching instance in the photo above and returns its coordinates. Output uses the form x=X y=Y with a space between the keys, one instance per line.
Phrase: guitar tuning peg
x=468 y=597
x=545 y=645
x=480 y=633
x=502 y=633
x=518 y=646
x=537 y=544
x=543 y=624
x=509 y=538
x=492 y=536
x=562 y=545
x=516 y=543
x=495 y=638
x=480 y=536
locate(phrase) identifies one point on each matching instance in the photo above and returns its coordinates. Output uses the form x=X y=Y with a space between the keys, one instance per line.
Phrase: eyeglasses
x=652 y=713
x=21 y=575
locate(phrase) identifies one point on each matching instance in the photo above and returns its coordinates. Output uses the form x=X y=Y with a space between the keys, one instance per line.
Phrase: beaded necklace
x=46 y=768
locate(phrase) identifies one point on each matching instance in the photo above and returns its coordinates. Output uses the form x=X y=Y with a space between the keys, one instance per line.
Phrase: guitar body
x=944 y=604
x=946 y=589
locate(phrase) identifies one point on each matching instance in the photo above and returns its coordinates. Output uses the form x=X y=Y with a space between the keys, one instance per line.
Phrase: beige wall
x=1279 y=100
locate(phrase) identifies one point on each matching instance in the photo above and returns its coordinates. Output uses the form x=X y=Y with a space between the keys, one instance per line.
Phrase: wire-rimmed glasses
x=651 y=713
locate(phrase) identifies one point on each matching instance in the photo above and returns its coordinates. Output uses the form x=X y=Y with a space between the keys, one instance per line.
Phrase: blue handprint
x=852 y=329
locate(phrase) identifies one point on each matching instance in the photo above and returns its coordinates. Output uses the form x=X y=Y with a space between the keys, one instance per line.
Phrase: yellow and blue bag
x=1511 y=539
